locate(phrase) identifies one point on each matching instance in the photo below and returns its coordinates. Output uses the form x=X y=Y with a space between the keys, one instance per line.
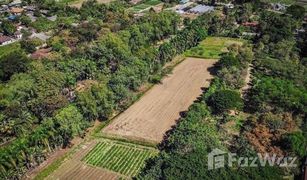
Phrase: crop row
x=120 y=158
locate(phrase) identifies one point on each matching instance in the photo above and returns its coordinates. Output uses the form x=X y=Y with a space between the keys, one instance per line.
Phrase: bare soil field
x=75 y=169
x=157 y=111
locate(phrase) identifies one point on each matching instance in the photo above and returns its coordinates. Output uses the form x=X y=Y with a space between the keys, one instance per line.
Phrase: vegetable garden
x=145 y=5
x=125 y=159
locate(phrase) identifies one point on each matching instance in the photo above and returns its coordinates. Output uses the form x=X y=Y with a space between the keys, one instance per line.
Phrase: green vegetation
x=43 y=24
x=144 y=5
x=95 y=70
x=126 y=159
x=212 y=47
x=7 y=49
x=274 y=108
x=288 y=2
x=224 y=100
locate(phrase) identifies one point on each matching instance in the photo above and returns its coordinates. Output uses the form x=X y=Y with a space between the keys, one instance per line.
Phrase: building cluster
x=11 y=12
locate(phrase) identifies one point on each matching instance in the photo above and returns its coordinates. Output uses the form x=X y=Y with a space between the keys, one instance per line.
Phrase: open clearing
x=145 y=5
x=212 y=47
x=157 y=111
x=79 y=3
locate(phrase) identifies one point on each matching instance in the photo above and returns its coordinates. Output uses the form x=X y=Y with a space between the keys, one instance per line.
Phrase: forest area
x=95 y=71
x=42 y=103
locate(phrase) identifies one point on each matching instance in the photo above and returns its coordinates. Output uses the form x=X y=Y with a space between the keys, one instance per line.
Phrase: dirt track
x=155 y=113
x=75 y=169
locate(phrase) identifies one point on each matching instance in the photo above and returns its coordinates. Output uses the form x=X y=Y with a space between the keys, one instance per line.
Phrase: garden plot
x=121 y=158
x=145 y=5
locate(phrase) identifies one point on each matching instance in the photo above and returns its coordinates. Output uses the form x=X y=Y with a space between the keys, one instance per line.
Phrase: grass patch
x=212 y=47
x=126 y=159
x=145 y=5
x=6 y=49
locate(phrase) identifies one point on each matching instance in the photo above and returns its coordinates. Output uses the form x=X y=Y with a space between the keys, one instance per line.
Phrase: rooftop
x=4 y=39
x=16 y=10
x=201 y=9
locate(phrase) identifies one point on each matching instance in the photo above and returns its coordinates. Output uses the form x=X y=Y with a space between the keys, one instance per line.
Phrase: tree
x=8 y=28
x=229 y=60
x=30 y=44
x=69 y=122
x=87 y=104
x=297 y=11
x=14 y=62
x=297 y=143
x=224 y=100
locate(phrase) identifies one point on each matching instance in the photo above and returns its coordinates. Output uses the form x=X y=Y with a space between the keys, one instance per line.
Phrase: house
x=11 y=17
x=30 y=8
x=200 y=9
x=41 y=53
x=52 y=18
x=184 y=1
x=134 y=2
x=15 y=3
x=42 y=36
x=16 y=10
x=278 y=6
x=31 y=16
x=229 y=6
x=250 y=34
x=18 y=35
x=251 y=24
x=4 y=40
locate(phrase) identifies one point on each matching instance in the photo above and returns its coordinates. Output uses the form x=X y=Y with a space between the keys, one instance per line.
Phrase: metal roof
x=201 y=9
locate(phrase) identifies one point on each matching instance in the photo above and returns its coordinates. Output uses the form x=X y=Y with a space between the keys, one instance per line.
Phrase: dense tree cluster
x=44 y=104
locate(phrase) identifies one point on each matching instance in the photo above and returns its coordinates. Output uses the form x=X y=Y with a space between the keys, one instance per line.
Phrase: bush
x=224 y=100
x=297 y=143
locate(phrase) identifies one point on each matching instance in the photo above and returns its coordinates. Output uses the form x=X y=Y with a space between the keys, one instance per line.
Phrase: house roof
x=42 y=36
x=16 y=10
x=255 y=23
x=41 y=53
x=202 y=9
x=134 y=1
x=4 y=39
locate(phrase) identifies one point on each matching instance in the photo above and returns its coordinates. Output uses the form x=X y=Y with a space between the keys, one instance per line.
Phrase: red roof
x=41 y=53
x=4 y=39
x=250 y=23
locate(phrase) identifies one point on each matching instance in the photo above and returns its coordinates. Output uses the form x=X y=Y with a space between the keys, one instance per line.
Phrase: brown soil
x=157 y=111
x=75 y=169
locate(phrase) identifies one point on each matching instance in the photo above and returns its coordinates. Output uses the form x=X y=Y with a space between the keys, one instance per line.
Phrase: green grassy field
x=145 y=5
x=126 y=159
x=4 y=50
x=212 y=47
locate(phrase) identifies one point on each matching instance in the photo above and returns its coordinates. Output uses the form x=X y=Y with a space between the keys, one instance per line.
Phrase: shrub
x=224 y=100
x=297 y=143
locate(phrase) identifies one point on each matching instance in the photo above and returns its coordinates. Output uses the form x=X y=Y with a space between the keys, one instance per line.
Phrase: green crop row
x=124 y=159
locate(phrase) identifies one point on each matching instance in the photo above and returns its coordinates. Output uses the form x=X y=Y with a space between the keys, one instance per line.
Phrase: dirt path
x=56 y=155
x=155 y=113
x=75 y=169
x=247 y=80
